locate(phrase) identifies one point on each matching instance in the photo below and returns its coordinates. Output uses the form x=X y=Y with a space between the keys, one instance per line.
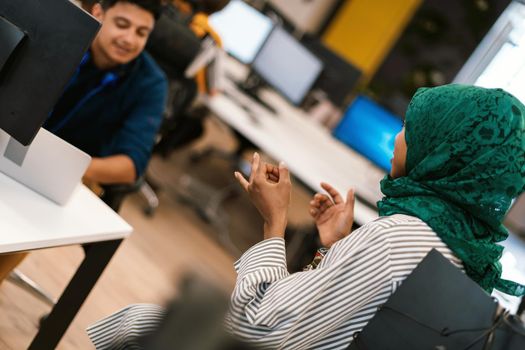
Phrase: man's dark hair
x=152 y=6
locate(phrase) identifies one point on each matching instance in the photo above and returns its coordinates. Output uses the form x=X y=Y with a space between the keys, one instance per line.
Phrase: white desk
x=310 y=151
x=29 y=221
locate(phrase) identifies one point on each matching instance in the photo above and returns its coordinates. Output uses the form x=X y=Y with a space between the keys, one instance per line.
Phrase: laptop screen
x=370 y=130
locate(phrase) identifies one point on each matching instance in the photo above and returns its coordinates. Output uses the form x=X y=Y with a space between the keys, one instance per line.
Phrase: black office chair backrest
x=172 y=43
x=439 y=307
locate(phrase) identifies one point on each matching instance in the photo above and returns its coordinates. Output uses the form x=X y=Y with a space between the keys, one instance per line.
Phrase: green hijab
x=465 y=163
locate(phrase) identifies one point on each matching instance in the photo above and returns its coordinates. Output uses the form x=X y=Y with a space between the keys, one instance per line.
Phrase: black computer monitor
x=242 y=29
x=370 y=129
x=285 y=64
x=338 y=78
x=41 y=44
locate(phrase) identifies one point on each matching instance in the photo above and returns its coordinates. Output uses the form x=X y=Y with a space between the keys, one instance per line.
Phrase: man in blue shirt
x=113 y=105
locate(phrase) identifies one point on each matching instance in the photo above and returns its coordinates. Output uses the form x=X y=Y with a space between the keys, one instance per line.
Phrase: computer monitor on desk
x=41 y=44
x=338 y=78
x=242 y=29
x=370 y=130
x=285 y=64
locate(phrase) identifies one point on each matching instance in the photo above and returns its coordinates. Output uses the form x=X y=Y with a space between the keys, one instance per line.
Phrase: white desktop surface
x=30 y=221
x=309 y=150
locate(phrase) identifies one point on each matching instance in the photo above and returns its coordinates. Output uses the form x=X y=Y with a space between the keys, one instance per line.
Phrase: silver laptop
x=49 y=165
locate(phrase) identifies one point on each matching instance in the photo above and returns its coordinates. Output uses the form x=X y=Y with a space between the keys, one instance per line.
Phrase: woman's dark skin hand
x=269 y=189
x=333 y=216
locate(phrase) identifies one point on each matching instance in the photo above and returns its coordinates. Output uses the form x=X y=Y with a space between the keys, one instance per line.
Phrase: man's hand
x=269 y=189
x=117 y=169
x=333 y=217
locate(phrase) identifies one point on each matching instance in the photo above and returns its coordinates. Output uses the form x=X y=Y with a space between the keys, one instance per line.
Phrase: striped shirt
x=124 y=329
x=316 y=309
x=323 y=308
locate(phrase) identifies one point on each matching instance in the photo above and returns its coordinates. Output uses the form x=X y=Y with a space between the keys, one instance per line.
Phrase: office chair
x=207 y=200
x=181 y=125
x=439 y=307
x=173 y=45
x=113 y=196
x=193 y=321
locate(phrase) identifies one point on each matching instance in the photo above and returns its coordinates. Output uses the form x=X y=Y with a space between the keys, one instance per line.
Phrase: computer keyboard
x=250 y=103
x=261 y=102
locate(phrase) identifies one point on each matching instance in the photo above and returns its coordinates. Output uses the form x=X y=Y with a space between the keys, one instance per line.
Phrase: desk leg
x=55 y=325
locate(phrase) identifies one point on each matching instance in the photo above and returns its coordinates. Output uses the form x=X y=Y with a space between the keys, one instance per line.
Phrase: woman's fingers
x=272 y=172
x=284 y=174
x=313 y=213
x=316 y=200
x=325 y=204
x=260 y=170
x=242 y=181
x=350 y=202
x=319 y=204
x=332 y=192
x=272 y=178
x=255 y=166
x=268 y=171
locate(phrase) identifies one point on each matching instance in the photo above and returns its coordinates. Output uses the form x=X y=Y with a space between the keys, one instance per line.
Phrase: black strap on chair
x=113 y=195
x=439 y=307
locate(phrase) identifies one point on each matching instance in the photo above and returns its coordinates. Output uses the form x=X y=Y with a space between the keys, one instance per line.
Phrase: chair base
x=207 y=201
x=31 y=287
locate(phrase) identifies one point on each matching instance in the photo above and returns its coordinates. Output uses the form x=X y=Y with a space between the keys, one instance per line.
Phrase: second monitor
x=370 y=130
x=288 y=66
x=242 y=29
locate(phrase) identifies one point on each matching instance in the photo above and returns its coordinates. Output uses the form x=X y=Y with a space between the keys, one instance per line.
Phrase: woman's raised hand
x=333 y=216
x=269 y=189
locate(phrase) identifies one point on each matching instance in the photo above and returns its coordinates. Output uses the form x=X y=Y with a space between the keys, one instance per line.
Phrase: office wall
x=435 y=44
x=307 y=16
x=364 y=31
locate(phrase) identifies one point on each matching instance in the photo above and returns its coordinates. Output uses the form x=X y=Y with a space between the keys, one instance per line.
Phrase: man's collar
x=120 y=70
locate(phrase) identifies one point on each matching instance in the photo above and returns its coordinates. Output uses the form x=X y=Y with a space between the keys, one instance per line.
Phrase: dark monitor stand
x=250 y=87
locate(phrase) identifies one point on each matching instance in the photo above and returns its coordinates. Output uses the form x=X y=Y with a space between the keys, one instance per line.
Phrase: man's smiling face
x=123 y=35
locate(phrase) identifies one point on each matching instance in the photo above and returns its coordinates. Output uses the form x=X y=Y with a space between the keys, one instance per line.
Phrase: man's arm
x=136 y=136
x=111 y=170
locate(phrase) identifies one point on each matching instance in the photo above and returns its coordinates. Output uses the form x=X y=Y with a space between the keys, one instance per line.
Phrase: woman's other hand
x=333 y=216
x=269 y=189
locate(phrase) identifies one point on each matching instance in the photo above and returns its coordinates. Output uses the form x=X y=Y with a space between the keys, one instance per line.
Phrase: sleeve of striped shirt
x=274 y=309
x=261 y=265
x=123 y=329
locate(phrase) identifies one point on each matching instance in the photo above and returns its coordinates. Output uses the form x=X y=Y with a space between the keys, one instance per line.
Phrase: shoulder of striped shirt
x=397 y=219
x=393 y=224
x=400 y=224
x=391 y=229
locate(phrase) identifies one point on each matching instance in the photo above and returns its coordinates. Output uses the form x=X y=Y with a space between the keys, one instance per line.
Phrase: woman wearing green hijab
x=465 y=163
x=457 y=165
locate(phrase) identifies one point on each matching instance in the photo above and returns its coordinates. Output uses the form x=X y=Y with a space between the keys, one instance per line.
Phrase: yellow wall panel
x=364 y=31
